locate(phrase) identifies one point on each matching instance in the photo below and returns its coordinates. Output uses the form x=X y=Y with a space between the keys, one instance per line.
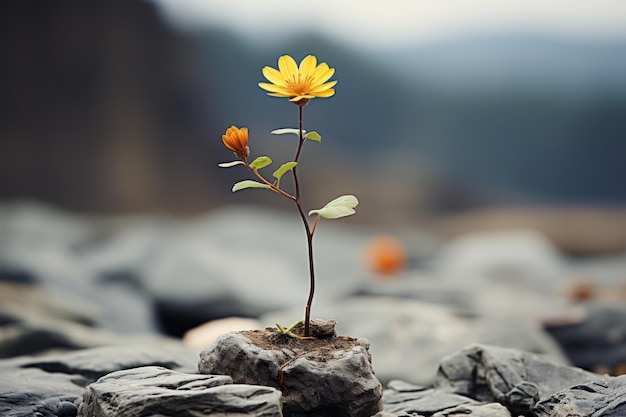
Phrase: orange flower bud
x=236 y=140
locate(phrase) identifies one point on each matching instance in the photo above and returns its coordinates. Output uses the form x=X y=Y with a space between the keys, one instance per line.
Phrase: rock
x=37 y=224
x=12 y=275
x=507 y=272
x=397 y=327
x=598 y=341
x=91 y=364
x=602 y=398
x=323 y=328
x=69 y=287
x=27 y=391
x=32 y=321
x=32 y=385
x=473 y=410
x=513 y=378
x=153 y=390
x=26 y=332
x=423 y=286
x=401 y=398
x=318 y=378
x=66 y=409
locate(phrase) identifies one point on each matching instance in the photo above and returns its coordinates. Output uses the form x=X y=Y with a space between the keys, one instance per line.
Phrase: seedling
x=299 y=84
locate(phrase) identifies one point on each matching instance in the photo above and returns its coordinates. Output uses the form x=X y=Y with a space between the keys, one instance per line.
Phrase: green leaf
x=284 y=168
x=249 y=184
x=230 y=164
x=313 y=136
x=340 y=207
x=261 y=162
x=287 y=130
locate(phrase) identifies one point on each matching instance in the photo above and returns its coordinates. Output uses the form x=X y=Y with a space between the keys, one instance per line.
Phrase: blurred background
x=449 y=117
x=119 y=106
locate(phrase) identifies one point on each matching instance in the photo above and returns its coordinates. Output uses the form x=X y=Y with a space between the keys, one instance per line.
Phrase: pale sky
x=396 y=23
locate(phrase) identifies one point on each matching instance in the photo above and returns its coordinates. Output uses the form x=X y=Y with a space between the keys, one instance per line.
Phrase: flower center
x=300 y=86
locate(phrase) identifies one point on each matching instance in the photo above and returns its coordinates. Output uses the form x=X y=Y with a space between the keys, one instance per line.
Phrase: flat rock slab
x=405 y=399
x=156 y=391
x=603 y=398
x=475 y=410
x=402 y=398
x=323 y=377
x=91 y=364
x=33 y=392
x=35 y=386
x=514 y=378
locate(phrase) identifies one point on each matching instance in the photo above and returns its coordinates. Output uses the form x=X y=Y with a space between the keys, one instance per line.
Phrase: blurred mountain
x=529 y=62
x=526 y=118
x=105 y=107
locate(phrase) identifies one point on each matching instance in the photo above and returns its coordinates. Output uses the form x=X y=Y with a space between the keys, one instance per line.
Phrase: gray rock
x=71 y=288
x=602 y=398
x=67 y=409
x=507 y=271
x=397 y=327
x=513 y=378
x=31 y=385
x=31 y=328
x=320 y=381
x=424 y=287
x=402 y=398
x=36 y=224
x=26 y=391
x=154 y=390
x=596 y=342
x=473 y=410
x=91 y=364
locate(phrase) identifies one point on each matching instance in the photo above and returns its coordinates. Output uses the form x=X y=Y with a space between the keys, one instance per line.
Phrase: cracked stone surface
x=335 y=378
x=153 y=390
x=603 y=398
x=511 y=377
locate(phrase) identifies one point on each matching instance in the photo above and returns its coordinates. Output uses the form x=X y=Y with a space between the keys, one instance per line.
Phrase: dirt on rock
x=320 y=348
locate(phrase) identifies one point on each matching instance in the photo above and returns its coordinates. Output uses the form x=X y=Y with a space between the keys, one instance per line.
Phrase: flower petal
x=236 y=139
x=323 y=73
x=323 y=87
x=301 y=97
x=274 y=88
x=325 y=94
x=288 y=67
x=274 y=76
x=307 y=66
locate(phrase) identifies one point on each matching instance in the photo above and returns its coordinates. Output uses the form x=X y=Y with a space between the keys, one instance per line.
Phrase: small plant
x=299 y=84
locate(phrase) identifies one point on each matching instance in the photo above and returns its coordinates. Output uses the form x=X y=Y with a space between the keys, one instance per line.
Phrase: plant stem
x=295 y=158
x=266 y=182
x=307 y=229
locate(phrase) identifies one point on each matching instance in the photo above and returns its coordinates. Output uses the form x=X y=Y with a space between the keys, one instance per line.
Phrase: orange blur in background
x=386 y=255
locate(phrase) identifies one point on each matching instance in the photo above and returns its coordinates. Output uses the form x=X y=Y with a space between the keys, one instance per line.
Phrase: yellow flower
x=236 y=140
x=299 y=83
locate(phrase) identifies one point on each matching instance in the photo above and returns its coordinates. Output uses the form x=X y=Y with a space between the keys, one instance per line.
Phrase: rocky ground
x=93 y=310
